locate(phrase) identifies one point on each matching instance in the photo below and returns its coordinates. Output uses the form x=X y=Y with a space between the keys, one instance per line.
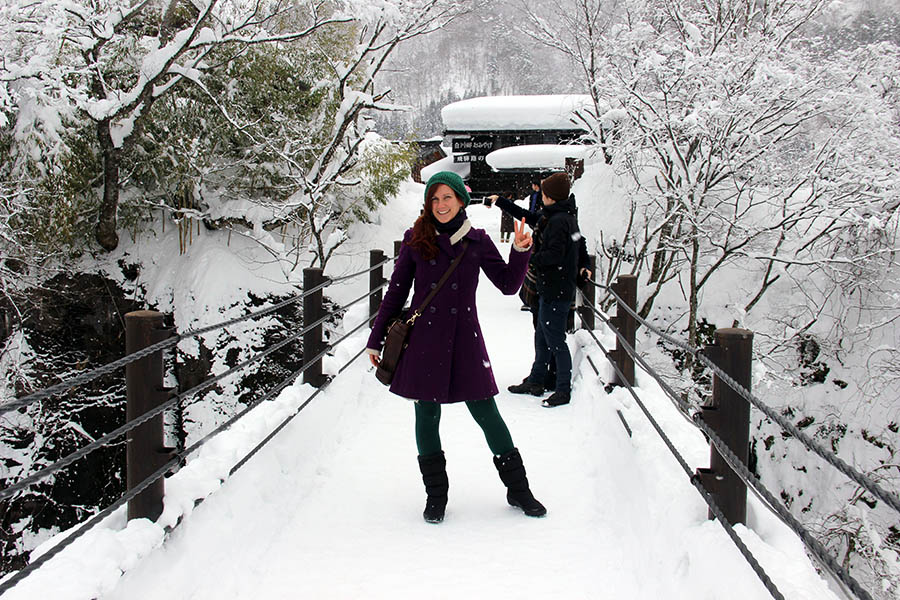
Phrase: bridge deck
x=332 y=507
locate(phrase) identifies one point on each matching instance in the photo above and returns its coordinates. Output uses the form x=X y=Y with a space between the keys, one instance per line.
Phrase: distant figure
x=506 y=221
x=534 y=200
x=445 y=360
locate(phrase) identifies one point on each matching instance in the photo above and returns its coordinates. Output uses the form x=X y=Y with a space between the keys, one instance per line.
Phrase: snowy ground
x=331 y=508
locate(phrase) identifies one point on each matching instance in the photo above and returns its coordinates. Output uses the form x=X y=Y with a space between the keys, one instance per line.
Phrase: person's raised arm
x=517 y=212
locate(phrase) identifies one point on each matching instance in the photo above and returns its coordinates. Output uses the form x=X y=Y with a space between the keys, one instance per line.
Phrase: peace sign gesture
x=523 y=238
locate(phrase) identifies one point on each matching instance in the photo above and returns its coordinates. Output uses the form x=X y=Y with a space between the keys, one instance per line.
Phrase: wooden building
x=476 y=127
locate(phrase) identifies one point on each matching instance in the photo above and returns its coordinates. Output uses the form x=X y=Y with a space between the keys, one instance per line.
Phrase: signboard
x=468 y=158
x=476 y=145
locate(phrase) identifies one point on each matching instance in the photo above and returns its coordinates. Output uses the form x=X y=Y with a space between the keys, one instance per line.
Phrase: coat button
x=433 y=285
x=432 y=262
x=453 y=311
x=453 y=286
x=433 y=309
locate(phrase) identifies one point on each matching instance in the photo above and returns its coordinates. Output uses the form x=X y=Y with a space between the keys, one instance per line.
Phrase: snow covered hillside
x=331 y=508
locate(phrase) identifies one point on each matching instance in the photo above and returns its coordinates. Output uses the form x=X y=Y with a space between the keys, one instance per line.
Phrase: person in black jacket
x=534 y=199
x=555 y=265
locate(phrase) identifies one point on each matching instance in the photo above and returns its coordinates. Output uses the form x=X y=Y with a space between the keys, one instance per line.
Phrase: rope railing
x=707 y=497
x=85 y=527
x=174 y=464
x=766 y=497
x=308 y=400
x=861 y=479
x=172 y=401
x=89 y=376
x=343 y=278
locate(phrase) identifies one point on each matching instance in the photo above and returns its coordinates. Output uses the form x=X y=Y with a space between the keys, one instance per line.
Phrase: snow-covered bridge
x=331 y=506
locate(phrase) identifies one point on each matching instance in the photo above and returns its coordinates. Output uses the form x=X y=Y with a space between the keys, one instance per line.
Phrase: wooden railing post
x=312 y=339
x=397 y=245
x=145 y=452
x=625 y=287
x=589 y=297
x=729 y=417
x=376 y=278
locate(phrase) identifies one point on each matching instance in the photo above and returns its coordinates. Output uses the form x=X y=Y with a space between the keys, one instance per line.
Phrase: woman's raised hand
x=523 y=238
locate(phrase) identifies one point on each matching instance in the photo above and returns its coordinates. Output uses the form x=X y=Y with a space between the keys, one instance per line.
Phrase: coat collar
x=461 y=232
x=446 y=243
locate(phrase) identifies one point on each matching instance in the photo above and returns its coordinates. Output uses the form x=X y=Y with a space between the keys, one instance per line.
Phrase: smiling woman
x=445 y=360
x=444 y=203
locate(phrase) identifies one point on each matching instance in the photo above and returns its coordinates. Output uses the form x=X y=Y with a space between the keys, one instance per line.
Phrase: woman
x=446 y=360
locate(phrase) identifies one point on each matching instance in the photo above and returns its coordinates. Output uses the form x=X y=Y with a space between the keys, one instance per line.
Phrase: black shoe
x=518 y=493
x=557 y=399
x=434 y=510
x=434 y=476
x=526 y=387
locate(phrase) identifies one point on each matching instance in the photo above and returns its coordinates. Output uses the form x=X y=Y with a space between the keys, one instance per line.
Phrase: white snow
x=331 y=507
x=504 y=113
x=446 y=164
x=535 y=156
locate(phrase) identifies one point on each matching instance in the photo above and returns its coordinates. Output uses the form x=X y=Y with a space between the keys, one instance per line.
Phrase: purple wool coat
x=446 y=360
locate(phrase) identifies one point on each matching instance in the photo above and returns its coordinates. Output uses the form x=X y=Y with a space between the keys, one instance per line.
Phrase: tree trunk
x=106 y=234
x=693 y=301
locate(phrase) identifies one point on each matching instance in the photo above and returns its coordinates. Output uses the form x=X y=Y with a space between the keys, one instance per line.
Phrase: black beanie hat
x=556 y=187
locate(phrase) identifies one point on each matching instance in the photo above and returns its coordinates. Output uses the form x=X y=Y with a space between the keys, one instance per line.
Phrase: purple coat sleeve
x=395 y=296
x=507 y=278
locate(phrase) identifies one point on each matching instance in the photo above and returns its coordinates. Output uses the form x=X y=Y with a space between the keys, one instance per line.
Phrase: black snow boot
x=526 y=387
x=512 y=474
x=434 y=475
x=557 y=399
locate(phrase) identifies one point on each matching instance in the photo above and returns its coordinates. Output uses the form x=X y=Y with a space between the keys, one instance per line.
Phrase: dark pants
x=550 y=379
x=550 y=345
x=485 y=413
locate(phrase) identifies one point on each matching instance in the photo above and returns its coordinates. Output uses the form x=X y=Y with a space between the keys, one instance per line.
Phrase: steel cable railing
x=89 y=376
x=174 y=464
x=753 y=483
x=861 y=479
x=138 y=421
x=357 y=274
x=84 y=527
x=707 y=497
x=308 y=400
x=150 y=414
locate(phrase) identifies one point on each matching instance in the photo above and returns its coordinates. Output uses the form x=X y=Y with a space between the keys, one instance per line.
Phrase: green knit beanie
x=453 y=180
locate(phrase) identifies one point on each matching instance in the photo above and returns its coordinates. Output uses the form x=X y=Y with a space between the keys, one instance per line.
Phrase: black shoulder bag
x=398 y=329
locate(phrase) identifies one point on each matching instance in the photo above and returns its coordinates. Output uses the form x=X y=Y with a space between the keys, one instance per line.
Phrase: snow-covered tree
x=755 y=147
x=109 y=63
x=323 y=173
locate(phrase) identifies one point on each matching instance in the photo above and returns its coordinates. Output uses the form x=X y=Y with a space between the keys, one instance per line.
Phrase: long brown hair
x=424 y=235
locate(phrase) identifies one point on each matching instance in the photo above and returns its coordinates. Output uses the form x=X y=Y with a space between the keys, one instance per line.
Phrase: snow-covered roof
x=446 y=164
x=515 y=113
x=535 y=156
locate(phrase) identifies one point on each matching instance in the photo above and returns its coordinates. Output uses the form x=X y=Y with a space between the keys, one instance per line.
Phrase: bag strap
x=411 y=321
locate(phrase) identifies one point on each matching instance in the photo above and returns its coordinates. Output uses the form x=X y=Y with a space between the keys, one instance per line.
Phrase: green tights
x=485 y=413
